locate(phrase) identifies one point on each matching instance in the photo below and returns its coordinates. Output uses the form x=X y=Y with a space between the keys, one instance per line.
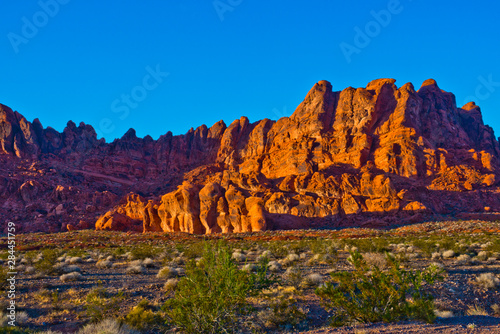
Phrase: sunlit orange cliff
x=375 y=156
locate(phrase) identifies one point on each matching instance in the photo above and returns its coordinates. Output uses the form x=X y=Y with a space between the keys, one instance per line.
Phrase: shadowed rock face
x=373 y=156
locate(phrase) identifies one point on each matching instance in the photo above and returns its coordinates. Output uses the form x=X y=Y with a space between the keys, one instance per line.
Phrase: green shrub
x=278 y=249
x=46 y=264
x=119 y=251
x=261 y=278
x=212 y=295
x=319 y=245
x=494 y=244
x=373 y=245
x=143 y=316
x=294 y=276
x=427 y=246
x=194 y=250
x=141 y=252
x=298 y=246
x=101 y=304
x=281 y=311
x=368 y=294
x=54 y=298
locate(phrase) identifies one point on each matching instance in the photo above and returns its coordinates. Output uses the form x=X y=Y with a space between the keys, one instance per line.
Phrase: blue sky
x=163 y=65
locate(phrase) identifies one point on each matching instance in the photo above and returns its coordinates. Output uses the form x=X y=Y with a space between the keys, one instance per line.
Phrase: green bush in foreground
x=212 y=296
x=368 y=294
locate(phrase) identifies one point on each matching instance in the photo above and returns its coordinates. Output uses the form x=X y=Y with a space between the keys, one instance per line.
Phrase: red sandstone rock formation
x=376 y=155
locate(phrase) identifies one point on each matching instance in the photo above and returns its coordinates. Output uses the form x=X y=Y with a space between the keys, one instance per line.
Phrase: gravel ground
x=66 y=312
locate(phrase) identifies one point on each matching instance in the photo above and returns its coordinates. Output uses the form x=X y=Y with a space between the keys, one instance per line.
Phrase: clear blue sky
x=229 y=58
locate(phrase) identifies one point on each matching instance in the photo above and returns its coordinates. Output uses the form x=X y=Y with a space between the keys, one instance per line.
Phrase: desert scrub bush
x=119 y=251
x=445 y=314
x=375 y=259
x=291 y=258
x=238 y=256
x=73 y=276
x=136 y=263
x=75 y=259
x=448 y=254
x=144 y=316
x=436 y=256
x=135 y=270
x=431 y=244
x=100 y=303
x=281 y=310
x=47 y=296
x=312 y=280
x=370 y=245
x=148 y=262
x=319 y=245
x=487 y=281
x=349 y=248
x=43 y=296
x=21 y=320
x=45 y=266
x=368 y=294
x=315 y=259
x=493 y=245
x=249 y=267
x=278 y=249
x=495 y=308
x=294 y=276
x=264 y=255
x=331 y=256
x=261 y=277
x=449 y=242
x=168 y=272
x=103 y=264
x=68 y=268
x=194 y=250
x=29 y=270
x=463 y=259
x=482 y=255
x=274 y=266
x=298 y=246
x=211 y=297
x=141 y=252
x=178 y=261
x=476 y=310
x=107 y=326
x=427 y=247
x=170 y=284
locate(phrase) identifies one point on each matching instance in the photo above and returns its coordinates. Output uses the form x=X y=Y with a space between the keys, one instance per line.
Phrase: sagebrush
x=368 y=294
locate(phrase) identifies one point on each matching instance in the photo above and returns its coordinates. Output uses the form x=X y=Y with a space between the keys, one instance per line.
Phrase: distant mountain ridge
x=373 y=156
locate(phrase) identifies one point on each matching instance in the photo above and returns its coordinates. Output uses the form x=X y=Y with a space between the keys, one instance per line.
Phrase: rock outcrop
x=379 y=155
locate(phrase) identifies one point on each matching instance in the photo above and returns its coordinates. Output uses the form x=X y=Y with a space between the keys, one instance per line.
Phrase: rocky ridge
x=374 y=156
